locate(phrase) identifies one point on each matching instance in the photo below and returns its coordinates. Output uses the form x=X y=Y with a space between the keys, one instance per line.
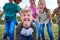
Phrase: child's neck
x=41 y=11
x=33 y=5
x=11 y=2
x=26 y=27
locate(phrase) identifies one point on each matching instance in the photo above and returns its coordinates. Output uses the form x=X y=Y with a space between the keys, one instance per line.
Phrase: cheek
x=22 y=17
x=59 y=4
x=44 y=6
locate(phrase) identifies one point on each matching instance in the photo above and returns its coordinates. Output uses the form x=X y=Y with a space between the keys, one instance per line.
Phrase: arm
x=17 y=33
x=37 y=19
x=53 y=13
x=19 y=9
x=1 y=13
x=34 y=33
x=50 y=16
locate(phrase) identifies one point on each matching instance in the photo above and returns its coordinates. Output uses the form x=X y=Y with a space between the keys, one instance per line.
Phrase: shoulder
x=6 y=4
x=48 y=10
x=19 y=26
x=33 y=26
x=56 y=9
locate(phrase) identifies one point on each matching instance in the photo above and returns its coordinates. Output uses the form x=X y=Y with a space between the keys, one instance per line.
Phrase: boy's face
x=26 y=18
x=11 y=1
x=58 y=3
x=32 y=1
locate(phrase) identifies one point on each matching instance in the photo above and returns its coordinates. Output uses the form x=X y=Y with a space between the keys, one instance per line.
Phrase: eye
x=28 y=15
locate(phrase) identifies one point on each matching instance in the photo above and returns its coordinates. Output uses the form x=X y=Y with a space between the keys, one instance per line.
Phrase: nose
x=26 y=16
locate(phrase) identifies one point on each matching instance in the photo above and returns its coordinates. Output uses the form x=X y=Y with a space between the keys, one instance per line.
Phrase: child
x=44 y=18
x=26 y=30
x=33 y=8
x=34 y=20
x=10 y=10
x=57 y=12
x=17 y=2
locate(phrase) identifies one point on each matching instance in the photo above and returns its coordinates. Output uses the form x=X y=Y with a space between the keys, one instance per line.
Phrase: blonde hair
x=25 y=10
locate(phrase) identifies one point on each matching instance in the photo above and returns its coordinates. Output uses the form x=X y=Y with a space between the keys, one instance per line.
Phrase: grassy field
x=54 y=27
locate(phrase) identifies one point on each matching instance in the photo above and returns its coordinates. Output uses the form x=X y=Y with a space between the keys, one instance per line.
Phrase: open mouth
x=25 y=19
x=41 y=8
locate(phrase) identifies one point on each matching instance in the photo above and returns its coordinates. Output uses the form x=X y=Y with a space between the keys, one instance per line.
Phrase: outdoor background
x=51 y=4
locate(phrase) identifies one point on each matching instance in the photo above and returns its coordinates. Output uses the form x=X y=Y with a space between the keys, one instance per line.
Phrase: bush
x=19 y=18
x=1 y=21
x=54 y=19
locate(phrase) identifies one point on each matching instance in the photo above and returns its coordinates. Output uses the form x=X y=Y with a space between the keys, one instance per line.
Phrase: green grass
x=54 y=28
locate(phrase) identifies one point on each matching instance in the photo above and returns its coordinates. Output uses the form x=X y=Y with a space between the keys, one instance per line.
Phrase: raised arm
x=1 y=13
x=53 y=13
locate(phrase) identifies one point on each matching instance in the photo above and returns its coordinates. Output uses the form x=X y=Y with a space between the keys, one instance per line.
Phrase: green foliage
x=54 y=19
x=19 y=18
x=1 y=21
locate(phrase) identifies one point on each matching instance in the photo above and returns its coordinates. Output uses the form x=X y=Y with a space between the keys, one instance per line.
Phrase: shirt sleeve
x=18 y=8
x=4 y=5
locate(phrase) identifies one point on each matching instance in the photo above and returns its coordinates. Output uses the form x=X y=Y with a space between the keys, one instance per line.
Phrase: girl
x=44 y=18
x=10 y=10
x=34 y=15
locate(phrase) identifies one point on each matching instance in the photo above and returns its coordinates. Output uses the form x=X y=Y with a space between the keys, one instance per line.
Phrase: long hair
x=46 y=10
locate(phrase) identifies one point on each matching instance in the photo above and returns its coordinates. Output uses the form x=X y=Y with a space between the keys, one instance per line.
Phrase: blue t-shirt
x=10 y=11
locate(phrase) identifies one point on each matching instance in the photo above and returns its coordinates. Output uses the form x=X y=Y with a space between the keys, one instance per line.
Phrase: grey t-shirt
x=43 y=17
x=26 y=32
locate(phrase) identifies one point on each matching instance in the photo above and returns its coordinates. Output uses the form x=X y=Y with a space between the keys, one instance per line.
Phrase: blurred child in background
x=57 y=13
x=10 y=10
x=45 y=17
x=35 y=19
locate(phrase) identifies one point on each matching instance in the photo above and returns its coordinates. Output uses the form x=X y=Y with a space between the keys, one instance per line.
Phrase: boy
x=26 y=30
x=57 y=12
x=10 y=10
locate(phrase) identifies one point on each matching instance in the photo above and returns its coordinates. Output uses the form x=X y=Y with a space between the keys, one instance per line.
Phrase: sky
x=51 y=4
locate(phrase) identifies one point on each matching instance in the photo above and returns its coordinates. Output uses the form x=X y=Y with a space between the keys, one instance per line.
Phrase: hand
x=51 y=22
x=0 y=13
x=35 y=19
